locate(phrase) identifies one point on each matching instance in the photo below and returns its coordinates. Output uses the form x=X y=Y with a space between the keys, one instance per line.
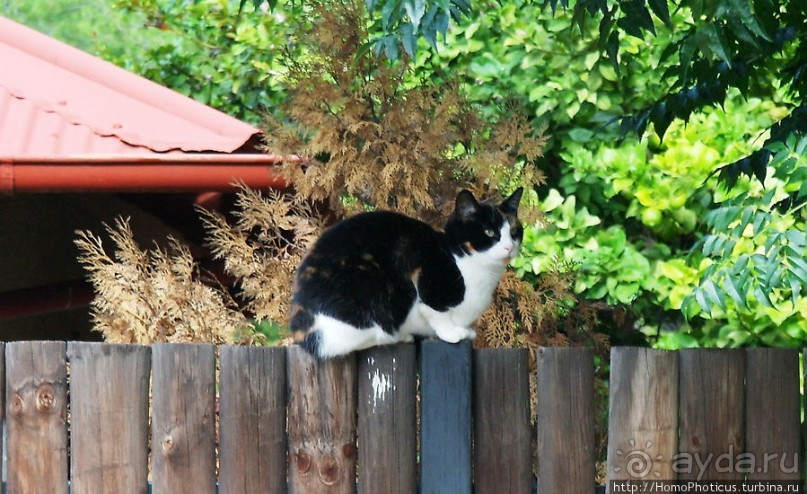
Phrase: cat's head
x=493 y=231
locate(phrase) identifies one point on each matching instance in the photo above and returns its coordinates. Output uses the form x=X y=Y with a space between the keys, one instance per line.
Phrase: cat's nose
x=510 y=247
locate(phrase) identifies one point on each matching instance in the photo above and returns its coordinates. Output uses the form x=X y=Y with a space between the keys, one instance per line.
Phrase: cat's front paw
x=456 y=334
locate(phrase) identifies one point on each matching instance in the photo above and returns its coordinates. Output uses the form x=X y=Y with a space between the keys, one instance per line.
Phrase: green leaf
x=728 y=247
x=415 y=9
x=662 y=11
x=553 y=200
x=798 y=267
x=703 y=302
x=749 y=20
x=715 y=42
x=795 y=290
x=762 y=297
x=612 y=50
x=391 y=47
x=685 y=54
x=626 y=293
x=715 y=295
x=774 y=275
x=389 y=14
x=733 y=288
x=741 y=264
x=428 y=27
x=409 y=39
x=708 y=245
x=761 y=220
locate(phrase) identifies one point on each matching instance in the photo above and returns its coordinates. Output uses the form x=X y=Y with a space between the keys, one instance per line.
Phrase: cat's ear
x=465 y=206
x=510 y=205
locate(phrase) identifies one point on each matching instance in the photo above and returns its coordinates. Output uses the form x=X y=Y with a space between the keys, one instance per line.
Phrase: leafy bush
x=755 y=270
x=638 y=225
x=206 y=50
x=607 y=267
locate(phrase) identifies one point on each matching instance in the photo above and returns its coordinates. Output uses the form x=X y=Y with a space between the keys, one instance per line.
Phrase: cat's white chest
x=480 y=278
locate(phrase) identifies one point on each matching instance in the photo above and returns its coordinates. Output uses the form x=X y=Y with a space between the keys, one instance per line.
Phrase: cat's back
x=383 y=234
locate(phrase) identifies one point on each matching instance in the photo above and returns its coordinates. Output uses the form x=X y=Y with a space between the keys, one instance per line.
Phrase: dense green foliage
x=646 y=223
x=676 y=171
x=210 y=52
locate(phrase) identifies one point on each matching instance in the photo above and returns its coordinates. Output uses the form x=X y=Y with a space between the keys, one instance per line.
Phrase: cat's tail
x=303 y=331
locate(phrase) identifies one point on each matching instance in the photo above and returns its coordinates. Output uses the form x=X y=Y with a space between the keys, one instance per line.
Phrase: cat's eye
x=490 y=233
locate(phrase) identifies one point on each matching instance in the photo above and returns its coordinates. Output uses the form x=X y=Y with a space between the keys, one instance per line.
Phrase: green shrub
x=646 y=224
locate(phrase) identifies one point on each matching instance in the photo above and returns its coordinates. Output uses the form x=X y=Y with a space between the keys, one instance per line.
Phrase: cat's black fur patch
x=360 y=270
x=369 y=269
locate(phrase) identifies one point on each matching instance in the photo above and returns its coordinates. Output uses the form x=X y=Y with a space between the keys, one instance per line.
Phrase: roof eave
x=140 y=173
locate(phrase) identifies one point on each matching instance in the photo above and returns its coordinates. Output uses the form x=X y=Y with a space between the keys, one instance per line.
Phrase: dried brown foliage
x=148 y=296
x=373 y=133
x=262 y=247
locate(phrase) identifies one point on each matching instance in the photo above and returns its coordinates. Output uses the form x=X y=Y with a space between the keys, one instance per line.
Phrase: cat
x=381 y=277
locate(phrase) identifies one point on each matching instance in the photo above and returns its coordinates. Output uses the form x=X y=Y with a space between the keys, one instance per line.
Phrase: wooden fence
x=98 y=418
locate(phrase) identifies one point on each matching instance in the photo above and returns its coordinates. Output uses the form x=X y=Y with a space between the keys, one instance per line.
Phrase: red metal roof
x=56 y=100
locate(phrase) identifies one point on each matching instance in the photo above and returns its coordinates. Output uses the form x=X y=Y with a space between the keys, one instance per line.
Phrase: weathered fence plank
x=643 y=414
x=252 y=420
x=711 y=416
x=36 y=408
x=446 y=423
x=183 y=423
x=321 y=423
x=734 y=414
x=772 y=414
x=109 y=389
x=565 y=420
x=387 y=420
x=503 y=457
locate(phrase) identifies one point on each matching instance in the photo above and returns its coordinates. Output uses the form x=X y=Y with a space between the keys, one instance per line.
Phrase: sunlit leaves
x=759 y=256
x=748 y=45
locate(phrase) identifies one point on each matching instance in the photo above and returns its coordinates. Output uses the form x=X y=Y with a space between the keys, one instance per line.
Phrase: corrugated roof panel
x=26 y=130
x=55 y=99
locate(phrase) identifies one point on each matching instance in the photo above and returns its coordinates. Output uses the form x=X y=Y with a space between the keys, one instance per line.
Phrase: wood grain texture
x=387 y=421
x=252 y=418
x=502 y=456
x=36 y=409
x=109 y=391
x=565 y=420
x=321 y=423
x=711 y=416
x=446 y=421
x=183 y=424
x=643 y=414
x=773 y=420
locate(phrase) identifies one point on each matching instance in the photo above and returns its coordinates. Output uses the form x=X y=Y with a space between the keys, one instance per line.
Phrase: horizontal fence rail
x=439 y=418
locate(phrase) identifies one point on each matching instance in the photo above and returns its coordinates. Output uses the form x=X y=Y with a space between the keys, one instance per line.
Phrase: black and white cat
x=381 y=277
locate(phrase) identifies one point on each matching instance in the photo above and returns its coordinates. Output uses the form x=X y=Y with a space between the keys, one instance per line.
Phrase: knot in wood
x=329 y=471
x=17 y=405
x=302 y=460
x=45 y=398
x=167 y=444
x=349 y=450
